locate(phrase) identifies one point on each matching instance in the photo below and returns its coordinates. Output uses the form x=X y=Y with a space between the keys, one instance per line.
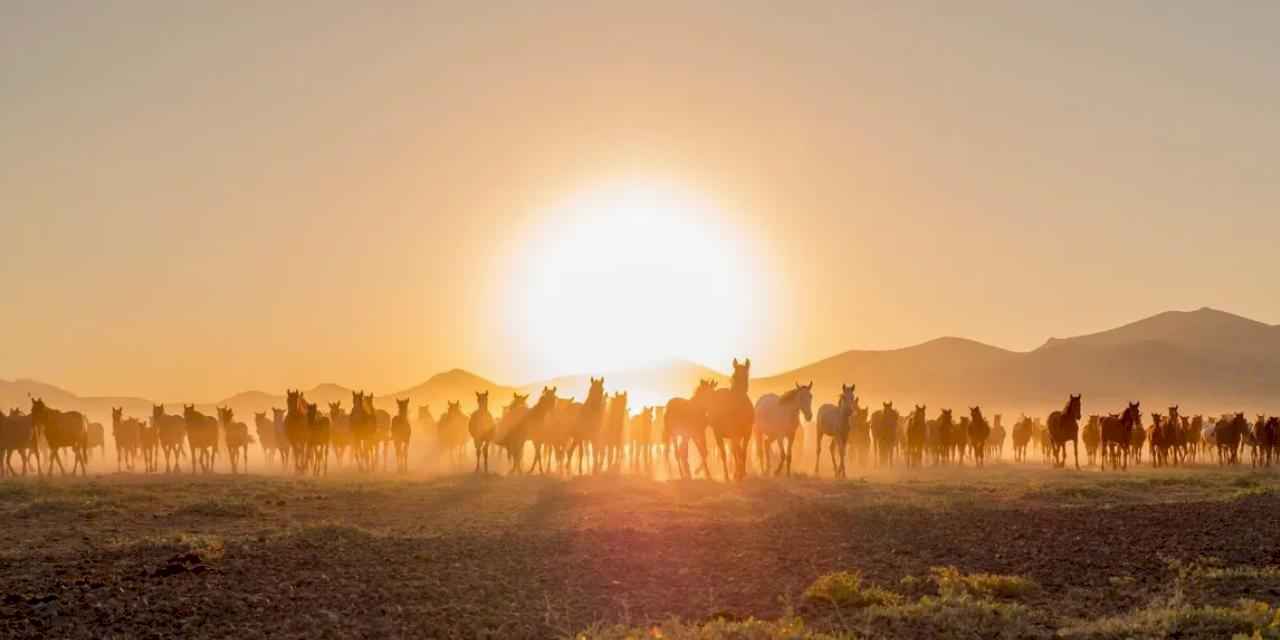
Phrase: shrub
x=846 y=590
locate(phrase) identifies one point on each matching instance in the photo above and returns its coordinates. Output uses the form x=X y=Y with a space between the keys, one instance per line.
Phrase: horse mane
x=789 y=396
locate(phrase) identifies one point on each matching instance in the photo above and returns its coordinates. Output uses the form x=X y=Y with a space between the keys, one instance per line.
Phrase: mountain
x=1206 y=360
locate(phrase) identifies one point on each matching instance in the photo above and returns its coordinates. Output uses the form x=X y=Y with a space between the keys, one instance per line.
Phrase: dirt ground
x=462 y=556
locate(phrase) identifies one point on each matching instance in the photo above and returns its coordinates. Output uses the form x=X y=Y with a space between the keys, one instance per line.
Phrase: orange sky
x=202 y=199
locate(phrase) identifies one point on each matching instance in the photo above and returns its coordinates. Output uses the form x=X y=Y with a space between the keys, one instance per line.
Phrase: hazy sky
x=202 y=197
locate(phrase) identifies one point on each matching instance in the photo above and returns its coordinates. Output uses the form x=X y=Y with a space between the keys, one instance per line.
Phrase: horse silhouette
x=1064 y=427
x=685 y=421
x=731 y=416
x=319 y=437
x=587 y=423
x=238 y=439
x=297 y=427
x=17 y=435
x=62 y=430
x=401 y=431
x=481 y=427
x=266 y=430
x=452 y=432
x=884 y=432
x=127 y=433
x=202 y=438
x=512 y=433
x=1022 y=430
x=341 y=439
x=1115 y=432
x=979 y=430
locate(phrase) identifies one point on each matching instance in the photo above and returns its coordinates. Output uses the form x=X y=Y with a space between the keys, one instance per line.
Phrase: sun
x=629 y=273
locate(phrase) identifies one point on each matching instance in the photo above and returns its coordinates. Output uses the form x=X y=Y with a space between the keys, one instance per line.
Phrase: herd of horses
x=604 y=435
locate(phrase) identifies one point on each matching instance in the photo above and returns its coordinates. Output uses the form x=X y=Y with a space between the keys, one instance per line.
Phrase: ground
x=1081 y=554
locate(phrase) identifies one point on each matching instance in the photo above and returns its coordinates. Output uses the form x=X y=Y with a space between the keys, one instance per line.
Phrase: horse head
x=975 y=415
x=402 y=407
x=804 y=400
x=945 y=418
x=741 y=375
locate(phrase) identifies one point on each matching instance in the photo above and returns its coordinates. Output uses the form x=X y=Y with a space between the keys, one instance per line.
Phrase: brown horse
x=1116 y=434
x=1228 y=434
x=171 y=431
x=127 y=432
x=731 y=415
x=481 y=426
x=609 y=440
x=1268 y=437
x=639 y=437
x=297 y=428
x=202 y=437
x=917 y=436
x=685 y=420
x=452 y=433
x=1022 y=430
x=401 y=431
x=884 y=431
x=1091 y=435
x=319 y=437
x=340 y=438
x=363 y=425
x=979 y=431
x=266 y=430
x=17 y=435
x=96 y=438
x=238 y=439
x=1064 y=427
x=587 y=424
x=62 y=430
x=511 y=432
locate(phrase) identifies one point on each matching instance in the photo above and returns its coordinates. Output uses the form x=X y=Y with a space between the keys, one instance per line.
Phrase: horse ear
x=810 y=385
x=735 y=363
x=748 y=363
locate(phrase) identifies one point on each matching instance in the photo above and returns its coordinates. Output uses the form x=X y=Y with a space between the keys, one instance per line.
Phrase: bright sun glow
x=630 y=273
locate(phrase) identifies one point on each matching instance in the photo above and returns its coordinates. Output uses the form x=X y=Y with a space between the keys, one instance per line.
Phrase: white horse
x=778 y=418
x=834 y=421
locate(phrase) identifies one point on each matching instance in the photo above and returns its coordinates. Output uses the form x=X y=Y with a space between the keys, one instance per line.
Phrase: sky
x=198 y=198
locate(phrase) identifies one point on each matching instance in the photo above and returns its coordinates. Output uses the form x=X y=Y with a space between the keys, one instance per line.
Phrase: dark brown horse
x=62 y=430
x=884 y=431
x=319 y=438
x=1022 y=430
x=171 y=430
x=979 y=431
x=1064 y=427
x=481 y=426
x=1116 y=434
x=917 y=436
x=1228 y=434
x=732 y=416
x=297 y=428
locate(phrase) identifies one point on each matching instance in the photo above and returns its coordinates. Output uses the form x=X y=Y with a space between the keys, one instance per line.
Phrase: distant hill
x=1206 y=360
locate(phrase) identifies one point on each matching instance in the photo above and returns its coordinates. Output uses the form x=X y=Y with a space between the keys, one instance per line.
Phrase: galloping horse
x=362 y=424
x=340 y=438
x=588 y=422
x=62 y=430
x=319 y=435
x=979 y=431
x=17 y=434
x=1092 y=436
x=917 y=432
x=266 y=429
x=1116 y=433
x=297 y=425
x=1064 y=427
x=835 y=421
x=508 y=434
x=609 y=441
x=778 y=418
x=452 y=433
x=1022 y=430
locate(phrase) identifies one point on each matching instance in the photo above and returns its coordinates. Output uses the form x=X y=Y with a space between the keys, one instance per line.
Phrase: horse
x=127 y=433
x=96 y=439
x=62 y=430
x=1139 y=439
x=835 y=420
x=686 y=422
x=937 y=435
x=917 y=436
x=995 y=442
x=1064 y=427
x=1268 y=438
x=731 y=417
x=266 y=436
x=778 y=418
x=297 y=426
x=452 y=431
x=609 y=440
x=1228 y=434
x=171 y=431
x=1156 y=440
x=283 y=446
x=401 y=430
x=382 y=431
x=319 y=437
x=1022 y=430
x=17 y=435
x=1176 y=436
x=1091 y=435
x=511 y=433
x=202 y=438
x=1116 y=434
x=362 y=425
x=426 y=425
x=979 y=430
x=884 y=426
x=639 y=438
x=860 y=434
x=587 y=424
x=238 y=439
x=340 y=439
x=535 y=427
x=481 y=427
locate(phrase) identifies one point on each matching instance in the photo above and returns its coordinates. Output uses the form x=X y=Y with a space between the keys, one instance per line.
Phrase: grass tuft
x=987 y=586
x=846 y=590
